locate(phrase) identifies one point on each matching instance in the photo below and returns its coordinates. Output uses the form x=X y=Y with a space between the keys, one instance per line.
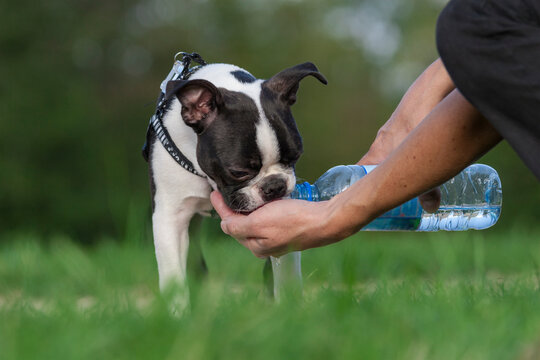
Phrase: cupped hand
x=276 y=228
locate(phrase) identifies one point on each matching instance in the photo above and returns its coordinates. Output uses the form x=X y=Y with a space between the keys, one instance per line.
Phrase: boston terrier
x=239 y=133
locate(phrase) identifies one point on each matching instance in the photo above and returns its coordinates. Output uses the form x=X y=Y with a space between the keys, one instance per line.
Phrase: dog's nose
x=273 y=187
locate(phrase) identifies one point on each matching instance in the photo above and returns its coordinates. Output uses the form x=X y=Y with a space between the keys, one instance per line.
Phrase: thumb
x=219 y=204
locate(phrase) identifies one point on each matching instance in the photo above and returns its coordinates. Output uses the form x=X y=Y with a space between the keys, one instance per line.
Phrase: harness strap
x=180 y=70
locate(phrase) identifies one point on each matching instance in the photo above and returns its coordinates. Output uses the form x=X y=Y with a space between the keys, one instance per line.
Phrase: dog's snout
x=273 y=187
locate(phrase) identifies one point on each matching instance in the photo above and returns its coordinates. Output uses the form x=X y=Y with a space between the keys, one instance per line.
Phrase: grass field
x=472 y=295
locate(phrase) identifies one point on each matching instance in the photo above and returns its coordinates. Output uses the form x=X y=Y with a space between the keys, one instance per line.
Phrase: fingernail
x=224 y=226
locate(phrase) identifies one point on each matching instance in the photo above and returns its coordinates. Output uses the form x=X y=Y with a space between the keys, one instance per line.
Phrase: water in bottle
x=470 y=200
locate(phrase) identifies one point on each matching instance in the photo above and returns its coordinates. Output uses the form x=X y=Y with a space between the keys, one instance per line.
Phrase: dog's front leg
x=171 y=243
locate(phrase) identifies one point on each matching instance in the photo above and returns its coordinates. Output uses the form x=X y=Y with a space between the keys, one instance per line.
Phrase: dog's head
x=248 y=142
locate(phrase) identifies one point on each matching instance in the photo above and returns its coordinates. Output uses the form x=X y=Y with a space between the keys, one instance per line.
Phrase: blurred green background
x=79 y=80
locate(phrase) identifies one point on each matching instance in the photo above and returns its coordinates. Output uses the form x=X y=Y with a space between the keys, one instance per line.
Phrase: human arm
x=451 y=136
x=428 y=90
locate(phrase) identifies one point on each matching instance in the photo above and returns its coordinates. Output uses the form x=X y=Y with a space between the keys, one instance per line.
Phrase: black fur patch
x=243 y=77
x=282 y=122
x=230 y=142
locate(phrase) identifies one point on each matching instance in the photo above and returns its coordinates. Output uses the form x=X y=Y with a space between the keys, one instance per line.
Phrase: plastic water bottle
x=470 y=200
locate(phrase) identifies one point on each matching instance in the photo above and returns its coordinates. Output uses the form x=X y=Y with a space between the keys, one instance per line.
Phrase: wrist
x=351 y=210
x=322 y=226
x=344 y=216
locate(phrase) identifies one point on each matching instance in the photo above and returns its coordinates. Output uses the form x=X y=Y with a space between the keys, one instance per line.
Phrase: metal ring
x=178 y=53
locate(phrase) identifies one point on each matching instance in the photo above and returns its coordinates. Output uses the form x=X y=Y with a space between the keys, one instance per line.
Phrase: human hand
x=278 y=227
x=431 y=200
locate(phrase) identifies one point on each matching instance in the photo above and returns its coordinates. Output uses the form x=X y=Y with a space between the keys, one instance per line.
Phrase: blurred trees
x=79 y=80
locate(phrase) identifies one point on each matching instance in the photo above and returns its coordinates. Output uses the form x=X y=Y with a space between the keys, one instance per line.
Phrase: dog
x=240 y=135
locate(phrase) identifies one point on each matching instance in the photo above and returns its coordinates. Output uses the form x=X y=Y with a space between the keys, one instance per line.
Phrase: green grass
x=471 y=295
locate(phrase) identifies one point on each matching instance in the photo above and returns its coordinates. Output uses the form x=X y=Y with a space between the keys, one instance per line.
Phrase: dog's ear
x=286 y=82
x=199 y=98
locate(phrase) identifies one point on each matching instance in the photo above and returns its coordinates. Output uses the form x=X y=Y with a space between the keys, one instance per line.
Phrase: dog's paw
x=179 y=305
x=176 y=298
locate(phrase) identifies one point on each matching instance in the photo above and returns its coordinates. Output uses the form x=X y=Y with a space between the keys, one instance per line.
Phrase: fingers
x=261 y=248
x=233 y=224
x=238 y=226
x=431 y=200
x=254 y=245
x=242 y=228
x=219 y=204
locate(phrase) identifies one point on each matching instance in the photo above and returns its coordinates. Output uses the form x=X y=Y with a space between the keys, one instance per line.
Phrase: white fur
x=180 y=194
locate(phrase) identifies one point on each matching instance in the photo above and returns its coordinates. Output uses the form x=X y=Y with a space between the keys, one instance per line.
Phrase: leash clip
x=174 y=74
x=181 y=68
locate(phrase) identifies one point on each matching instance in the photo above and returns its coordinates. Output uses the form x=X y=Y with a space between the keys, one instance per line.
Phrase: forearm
x=452 y=136
x=431 y=87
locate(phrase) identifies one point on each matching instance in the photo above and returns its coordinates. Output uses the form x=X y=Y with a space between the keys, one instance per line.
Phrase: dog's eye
x=239 y=174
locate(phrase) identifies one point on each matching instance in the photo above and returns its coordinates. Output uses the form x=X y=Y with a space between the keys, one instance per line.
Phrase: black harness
x=180 y=70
